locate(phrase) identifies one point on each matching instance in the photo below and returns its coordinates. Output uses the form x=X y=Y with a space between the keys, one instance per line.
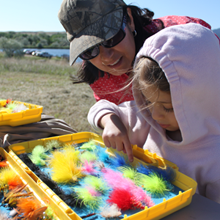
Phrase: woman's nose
x=105 y=53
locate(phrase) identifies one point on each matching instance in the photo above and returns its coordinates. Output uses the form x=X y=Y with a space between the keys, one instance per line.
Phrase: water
x=54 y=52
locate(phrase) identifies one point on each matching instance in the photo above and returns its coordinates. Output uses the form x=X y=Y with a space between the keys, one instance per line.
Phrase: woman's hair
x=147 y=72
x=88 y=73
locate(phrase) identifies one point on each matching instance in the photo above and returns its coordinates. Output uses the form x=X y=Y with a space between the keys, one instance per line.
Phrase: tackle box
x=30 y=115
x=166 y=207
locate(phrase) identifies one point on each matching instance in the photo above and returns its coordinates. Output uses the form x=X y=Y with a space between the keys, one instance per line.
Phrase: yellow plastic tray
x=31 y=115
x=159 y=211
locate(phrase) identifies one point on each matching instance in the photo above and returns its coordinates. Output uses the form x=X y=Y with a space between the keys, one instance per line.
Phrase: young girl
x=107 y=34
x=177 y=110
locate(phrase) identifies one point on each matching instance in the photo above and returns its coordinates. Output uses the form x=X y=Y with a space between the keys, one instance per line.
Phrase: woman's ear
x=131 y=23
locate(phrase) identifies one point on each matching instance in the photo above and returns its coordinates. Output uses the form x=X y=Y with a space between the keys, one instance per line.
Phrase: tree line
x=44 y=39
x=12 y=43
x=38 y=39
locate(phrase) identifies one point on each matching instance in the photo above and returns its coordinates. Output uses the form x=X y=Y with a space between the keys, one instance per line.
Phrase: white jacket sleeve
x=129 y=114
x=101 y=108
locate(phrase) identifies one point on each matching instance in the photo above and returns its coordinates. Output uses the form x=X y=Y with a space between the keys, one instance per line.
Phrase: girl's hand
x=115 y=134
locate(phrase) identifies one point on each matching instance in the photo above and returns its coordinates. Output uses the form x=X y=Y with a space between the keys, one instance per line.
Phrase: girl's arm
x=115 y=134
x=113 y=120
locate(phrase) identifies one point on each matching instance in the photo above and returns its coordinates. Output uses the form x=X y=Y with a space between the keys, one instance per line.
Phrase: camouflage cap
x=89 y=22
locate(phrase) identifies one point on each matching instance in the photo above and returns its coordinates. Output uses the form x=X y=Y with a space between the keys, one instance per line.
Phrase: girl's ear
x=131 y=23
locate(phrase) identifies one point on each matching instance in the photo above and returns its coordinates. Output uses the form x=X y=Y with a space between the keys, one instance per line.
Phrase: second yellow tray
x=31 y=115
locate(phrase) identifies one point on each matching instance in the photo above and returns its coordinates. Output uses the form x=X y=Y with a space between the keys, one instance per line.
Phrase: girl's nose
x=105 y=53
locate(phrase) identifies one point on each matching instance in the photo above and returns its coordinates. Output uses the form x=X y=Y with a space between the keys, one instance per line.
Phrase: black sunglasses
x=94 y=51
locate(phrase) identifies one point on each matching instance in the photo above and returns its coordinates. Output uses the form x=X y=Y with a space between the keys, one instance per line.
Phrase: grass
x=30 y=64
x=47 y=82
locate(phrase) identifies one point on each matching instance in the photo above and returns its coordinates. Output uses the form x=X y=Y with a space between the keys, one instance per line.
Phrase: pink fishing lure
x=117 y=181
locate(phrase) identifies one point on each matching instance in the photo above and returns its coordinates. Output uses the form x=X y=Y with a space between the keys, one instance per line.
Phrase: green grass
x=36 y=65
x=47 y=82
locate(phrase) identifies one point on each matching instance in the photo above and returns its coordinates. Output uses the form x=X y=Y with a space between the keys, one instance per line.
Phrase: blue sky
x=41 y=15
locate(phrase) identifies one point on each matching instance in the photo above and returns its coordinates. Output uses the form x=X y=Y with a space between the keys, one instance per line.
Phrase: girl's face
x=118 y=59
x=160 y=106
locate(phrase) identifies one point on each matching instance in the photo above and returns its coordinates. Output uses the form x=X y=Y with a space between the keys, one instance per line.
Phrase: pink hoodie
x=190 y=57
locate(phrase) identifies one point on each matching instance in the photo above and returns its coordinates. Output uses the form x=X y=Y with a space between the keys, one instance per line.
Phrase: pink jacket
x=190 y=57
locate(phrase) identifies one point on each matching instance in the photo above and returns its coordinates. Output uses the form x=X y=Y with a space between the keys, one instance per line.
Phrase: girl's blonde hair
x=147 y=72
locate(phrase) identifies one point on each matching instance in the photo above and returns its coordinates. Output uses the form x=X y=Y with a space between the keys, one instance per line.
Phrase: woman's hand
x=115 y=134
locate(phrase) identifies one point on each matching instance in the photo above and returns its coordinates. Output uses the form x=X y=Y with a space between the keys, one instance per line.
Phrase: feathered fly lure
x=38 y=155
x=103 y=156
x=11 y=196
x=88 y=169
x=90 y=201
x=90 y=146
x=118 y=160
x=53 y=145
x=30 y=208
x=10 y=105
x=6 y=174
x=70 y=152
x=64 y=165
x=88 y=156
x=124 y=199
x=110 y=211
x=117 y=181
x=155 y=184
x=15 y=182
x=132 y=174
x=3 y=164
x=167 y=173
x=95 y=182
x=49 y=214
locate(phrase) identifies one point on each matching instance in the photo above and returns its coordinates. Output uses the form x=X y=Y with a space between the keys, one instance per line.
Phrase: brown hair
x=147 y=72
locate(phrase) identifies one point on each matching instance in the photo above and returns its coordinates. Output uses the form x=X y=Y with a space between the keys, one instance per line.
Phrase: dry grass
x=47 y=83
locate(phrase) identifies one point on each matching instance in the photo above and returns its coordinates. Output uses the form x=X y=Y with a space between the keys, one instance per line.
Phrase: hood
x=189 y=55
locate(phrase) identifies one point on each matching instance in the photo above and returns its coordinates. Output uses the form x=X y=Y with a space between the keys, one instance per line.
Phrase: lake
x=55 y=52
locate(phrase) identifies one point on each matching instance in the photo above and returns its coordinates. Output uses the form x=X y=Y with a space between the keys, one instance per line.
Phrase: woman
x=107 y=34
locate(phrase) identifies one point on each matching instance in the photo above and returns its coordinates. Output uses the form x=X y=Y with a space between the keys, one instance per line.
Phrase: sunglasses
x=94 y=51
